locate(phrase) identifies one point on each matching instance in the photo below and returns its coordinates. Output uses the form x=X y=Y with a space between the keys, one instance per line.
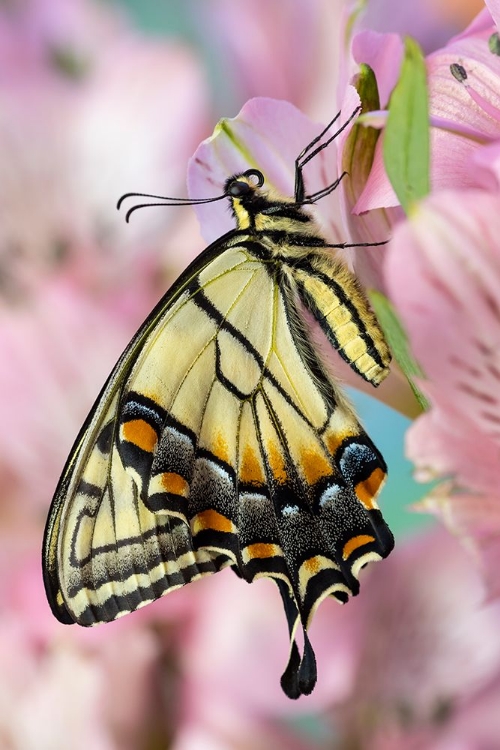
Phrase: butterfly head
x=245 y=186
x=245 y=195
x=247 y=198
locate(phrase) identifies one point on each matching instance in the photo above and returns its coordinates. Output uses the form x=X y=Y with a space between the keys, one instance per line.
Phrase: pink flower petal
x=62 y=345
x=443 y=274
x=429 y=22
x=494 y=8
x=475 y=519
x=486 y=166
x=366 y=262
x=418 y=622
x=480 y=24
x=378 y=191
x=299 y=64
x=444 y=443
x=384 y=54
x=268 y=135
x=460 y=108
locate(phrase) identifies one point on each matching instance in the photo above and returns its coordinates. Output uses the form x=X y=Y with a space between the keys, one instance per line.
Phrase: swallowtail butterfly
x=221 y=438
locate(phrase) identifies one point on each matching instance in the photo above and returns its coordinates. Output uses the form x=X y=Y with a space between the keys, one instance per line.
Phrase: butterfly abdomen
x=331 y=293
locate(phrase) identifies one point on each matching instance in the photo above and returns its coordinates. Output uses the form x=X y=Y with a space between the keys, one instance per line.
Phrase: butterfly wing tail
x=299 y=677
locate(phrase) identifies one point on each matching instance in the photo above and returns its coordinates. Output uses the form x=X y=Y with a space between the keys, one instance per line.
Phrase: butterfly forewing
x=92 y=457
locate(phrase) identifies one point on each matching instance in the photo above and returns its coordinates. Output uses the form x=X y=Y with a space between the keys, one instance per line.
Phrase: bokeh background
x=99 y=98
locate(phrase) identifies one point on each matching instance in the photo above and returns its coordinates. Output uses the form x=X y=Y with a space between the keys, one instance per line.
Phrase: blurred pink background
x=100 y=98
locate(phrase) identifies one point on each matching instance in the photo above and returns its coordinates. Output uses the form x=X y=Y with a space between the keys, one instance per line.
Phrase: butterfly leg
x=306 y=155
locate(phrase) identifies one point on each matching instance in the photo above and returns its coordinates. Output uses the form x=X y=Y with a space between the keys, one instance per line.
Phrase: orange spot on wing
x=313 y=565
x=262 y=550
x=250 y=468
x=175 y=484
x=211 y=519
x=334 y=440
x=140 y=433
x=314 y=465
x=220 y=448
x=276 y=462
x=354 y=543
x=367 y=490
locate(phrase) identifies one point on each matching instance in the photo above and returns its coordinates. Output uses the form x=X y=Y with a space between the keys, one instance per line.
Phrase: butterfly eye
x=238 y=188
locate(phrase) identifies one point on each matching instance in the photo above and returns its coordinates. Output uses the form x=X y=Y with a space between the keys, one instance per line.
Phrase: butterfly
x=222 y=439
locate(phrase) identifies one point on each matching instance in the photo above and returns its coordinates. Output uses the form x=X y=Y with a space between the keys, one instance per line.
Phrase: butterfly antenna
x=166 y=201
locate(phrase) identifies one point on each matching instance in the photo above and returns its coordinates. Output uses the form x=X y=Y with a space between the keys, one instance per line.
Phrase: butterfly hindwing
x=323 y=475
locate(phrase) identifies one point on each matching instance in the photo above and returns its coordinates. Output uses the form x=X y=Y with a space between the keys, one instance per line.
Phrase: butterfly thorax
x=266 y=215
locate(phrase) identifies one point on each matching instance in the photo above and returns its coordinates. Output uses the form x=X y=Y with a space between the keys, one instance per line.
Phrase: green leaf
x=359 y=149
x=398 y=342
x=494 y=44
x=358 y=154
x=406 y=137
